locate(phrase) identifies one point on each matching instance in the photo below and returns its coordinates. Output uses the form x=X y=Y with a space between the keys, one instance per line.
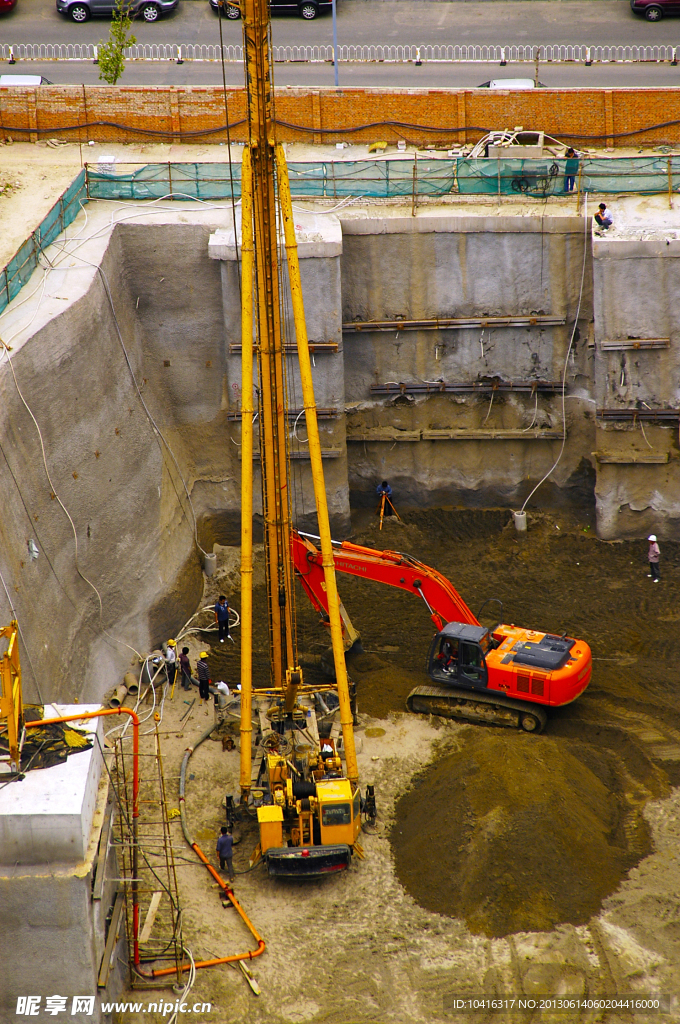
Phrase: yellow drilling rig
x=299 y=770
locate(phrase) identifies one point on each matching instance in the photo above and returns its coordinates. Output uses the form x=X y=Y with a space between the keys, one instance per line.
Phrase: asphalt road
x=377 y=21
x=501 y=22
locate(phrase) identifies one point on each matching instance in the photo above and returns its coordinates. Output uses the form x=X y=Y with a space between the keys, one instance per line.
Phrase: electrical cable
x=63 y=507
x=313 y=129
x=586 y=224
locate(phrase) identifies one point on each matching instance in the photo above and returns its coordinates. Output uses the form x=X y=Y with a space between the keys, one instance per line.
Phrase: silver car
x=82 y=10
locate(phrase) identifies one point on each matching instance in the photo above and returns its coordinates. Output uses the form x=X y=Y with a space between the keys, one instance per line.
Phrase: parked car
x=655 y=11
x=513 y=84
x=307 y=9
x=7 y=5
x=24 y=80
x=83 y=10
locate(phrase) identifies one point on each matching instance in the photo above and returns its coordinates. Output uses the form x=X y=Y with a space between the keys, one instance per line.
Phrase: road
x=502 y=22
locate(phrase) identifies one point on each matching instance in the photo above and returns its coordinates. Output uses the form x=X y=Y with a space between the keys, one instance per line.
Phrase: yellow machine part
x=270 y=820
x=336 y=806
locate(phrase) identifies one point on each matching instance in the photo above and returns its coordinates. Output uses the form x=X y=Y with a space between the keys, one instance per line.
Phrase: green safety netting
x=341 y=179
x=23 y=263
x=644 y=175
x=380 y=179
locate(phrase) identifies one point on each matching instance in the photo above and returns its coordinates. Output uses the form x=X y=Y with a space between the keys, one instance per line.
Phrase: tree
x=110 y=53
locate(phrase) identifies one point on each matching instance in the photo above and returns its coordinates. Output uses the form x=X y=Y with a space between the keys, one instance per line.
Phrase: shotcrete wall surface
x=138 y=283
x=636 y=275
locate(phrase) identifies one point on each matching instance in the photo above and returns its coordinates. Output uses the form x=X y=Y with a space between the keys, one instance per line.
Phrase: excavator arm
x=393 y=568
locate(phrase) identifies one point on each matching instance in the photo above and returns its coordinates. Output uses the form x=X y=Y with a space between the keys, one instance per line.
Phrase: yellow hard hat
x=204 y=654
x=172 y=643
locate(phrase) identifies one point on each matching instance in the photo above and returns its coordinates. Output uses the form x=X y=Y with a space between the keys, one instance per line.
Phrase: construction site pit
x=500 y=861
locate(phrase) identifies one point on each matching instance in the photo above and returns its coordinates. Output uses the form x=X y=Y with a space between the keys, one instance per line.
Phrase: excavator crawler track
x=491 y=708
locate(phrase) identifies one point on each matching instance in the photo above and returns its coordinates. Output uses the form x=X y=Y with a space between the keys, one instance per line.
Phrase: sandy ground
x=363 y=947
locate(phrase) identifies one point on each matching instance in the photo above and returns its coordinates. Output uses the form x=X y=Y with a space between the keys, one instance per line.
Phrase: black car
x=83 y=10
x=307 y=9
x=655 y=11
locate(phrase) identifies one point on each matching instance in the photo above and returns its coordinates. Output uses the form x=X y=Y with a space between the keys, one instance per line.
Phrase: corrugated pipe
x=249 y=954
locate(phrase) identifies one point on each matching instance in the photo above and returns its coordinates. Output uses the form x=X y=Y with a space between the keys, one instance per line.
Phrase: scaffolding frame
x=155 y=885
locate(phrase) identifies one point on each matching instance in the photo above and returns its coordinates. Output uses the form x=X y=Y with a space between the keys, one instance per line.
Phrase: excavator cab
x=457 y=656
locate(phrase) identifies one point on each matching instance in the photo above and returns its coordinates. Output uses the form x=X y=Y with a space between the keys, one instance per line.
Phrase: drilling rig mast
x=308 y=804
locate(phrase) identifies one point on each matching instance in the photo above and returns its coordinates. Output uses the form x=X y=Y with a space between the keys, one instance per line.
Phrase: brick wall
x=128 y=114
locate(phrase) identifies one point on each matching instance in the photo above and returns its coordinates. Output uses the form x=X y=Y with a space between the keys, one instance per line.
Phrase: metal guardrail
x=358 y=54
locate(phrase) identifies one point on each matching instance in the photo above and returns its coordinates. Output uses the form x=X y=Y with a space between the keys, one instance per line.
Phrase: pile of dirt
x=522 y=833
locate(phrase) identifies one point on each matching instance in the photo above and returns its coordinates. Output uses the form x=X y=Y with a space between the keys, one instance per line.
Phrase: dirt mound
x=520 y=833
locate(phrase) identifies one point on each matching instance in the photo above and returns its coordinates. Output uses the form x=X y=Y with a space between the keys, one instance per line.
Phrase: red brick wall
x=129 y=114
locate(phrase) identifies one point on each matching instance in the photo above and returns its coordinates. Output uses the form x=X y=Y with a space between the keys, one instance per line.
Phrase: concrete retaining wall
x=177 y=311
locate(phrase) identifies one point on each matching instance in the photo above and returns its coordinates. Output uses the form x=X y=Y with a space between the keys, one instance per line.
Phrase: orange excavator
x=505 y=675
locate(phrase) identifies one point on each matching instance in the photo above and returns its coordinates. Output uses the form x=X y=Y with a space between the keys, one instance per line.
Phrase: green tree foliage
x=110 y=53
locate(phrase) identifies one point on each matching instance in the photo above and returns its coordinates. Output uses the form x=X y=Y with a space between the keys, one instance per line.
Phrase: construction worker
x=385 y=506
x=224 y=851
x=171 y=661
x=203 y=678
x=653 y=555
x=222 y=618
x=185 y=668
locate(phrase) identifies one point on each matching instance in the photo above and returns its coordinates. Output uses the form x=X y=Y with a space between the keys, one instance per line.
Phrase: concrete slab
x=318 y=235
x=47 y=816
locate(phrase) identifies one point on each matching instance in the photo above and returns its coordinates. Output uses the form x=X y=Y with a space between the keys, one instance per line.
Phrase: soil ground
x=502 y=864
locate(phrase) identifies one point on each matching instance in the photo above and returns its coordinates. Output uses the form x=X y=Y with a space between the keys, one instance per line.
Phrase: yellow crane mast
x=308 y=805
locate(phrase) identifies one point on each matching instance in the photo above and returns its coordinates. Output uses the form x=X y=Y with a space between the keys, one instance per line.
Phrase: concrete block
x=318 y=235
x=47 y=816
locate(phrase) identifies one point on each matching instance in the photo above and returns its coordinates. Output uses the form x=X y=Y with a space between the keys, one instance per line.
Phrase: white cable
x=566 y=360
x=189 y=985
x=65 y=510
x=533 y=419
x=297 y=419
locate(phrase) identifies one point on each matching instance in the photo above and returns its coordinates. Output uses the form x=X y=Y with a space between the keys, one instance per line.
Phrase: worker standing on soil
x=171 y=662
x=222 y=618
x=384 y=492
x=224 y=851
x=203 y=678
x=185 y=668
x=653 y=555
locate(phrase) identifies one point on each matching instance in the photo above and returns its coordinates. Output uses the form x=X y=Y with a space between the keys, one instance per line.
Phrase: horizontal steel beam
x=314 y=346
x=640 y=415
x=468 y=387
x=472 y=434
x=321 y=414
x=453 y=323
x=635 y=343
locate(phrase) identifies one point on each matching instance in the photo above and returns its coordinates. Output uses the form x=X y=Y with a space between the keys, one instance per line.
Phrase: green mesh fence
x=642 y=175
x=380 y=179
x=23 y=263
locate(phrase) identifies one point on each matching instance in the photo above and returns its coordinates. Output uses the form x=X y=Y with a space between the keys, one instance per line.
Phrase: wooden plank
x=145 y=934
x=104 y=844
x=385 y=434
x=632 y=458
x=111 y=940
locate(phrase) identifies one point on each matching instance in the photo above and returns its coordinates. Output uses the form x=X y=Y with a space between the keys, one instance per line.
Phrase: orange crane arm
x=443 y=601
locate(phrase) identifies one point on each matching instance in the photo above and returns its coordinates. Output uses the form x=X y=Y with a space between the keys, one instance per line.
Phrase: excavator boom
x=504 y=676
x=393 y=568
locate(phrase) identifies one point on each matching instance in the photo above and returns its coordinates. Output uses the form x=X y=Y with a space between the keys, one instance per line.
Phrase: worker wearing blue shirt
x=222 y=618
